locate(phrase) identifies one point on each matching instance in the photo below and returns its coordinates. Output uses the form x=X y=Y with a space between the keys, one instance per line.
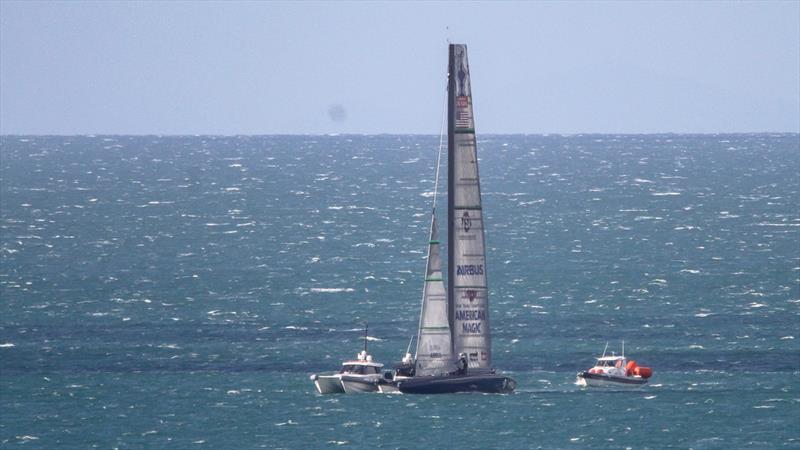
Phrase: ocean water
x=179 y=291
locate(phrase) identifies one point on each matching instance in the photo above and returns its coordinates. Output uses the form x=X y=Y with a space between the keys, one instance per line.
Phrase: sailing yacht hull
x=450 y=384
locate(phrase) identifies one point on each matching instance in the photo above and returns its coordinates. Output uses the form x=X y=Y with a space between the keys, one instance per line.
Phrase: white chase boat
x=362 y=375
x=356 y=376
x=614 y=371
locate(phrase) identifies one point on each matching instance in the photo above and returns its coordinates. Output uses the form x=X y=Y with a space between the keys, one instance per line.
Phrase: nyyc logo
x=471 y=294
x=466 y=222
x=470 y=269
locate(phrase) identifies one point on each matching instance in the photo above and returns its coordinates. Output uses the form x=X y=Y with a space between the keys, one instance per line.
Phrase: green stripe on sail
x=464 y=131
x=434 y=279
x=475 y=208
x=436 y=328
x=434 y=242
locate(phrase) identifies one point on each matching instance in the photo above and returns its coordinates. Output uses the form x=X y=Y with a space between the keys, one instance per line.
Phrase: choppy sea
x=178 y=291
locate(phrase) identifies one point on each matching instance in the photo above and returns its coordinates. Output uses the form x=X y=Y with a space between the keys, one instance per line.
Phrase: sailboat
x=454 y=347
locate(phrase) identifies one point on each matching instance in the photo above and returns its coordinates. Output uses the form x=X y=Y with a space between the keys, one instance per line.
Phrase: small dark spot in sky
x=337 y=113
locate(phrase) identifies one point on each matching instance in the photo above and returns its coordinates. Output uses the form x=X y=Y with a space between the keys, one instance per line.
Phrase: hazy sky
x=375 y=67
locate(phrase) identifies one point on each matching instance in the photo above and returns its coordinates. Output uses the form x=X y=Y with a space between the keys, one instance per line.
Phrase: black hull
x=450 y=384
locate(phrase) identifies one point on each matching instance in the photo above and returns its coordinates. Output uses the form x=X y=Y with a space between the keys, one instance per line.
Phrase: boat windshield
x=606 y=363
x=359 y=369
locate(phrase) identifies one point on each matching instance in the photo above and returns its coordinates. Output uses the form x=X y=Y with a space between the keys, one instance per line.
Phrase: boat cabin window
x=359 y=369
x=606 y=363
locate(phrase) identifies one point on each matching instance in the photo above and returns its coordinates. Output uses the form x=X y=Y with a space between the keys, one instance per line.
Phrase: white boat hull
x=388 y=388
x=600 y=380
x=329 y=384
x=359 y=384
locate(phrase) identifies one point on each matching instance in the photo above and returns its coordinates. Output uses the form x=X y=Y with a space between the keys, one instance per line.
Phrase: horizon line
x=673 y=133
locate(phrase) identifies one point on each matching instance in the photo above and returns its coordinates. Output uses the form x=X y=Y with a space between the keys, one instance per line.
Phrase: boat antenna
x=604 y=350
x=408 y=349
x=441 y=145
x=623 y=348
x=366 y=327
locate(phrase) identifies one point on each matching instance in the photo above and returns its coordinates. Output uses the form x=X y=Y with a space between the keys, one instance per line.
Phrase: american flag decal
x=463 y=113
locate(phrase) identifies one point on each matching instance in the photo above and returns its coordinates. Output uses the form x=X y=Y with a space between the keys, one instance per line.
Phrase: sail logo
x=470 y=314
x=469 y=269
x=471 y=327
x=476 y=316
x=462 y=71
x=466 y=222
x=471 y=294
